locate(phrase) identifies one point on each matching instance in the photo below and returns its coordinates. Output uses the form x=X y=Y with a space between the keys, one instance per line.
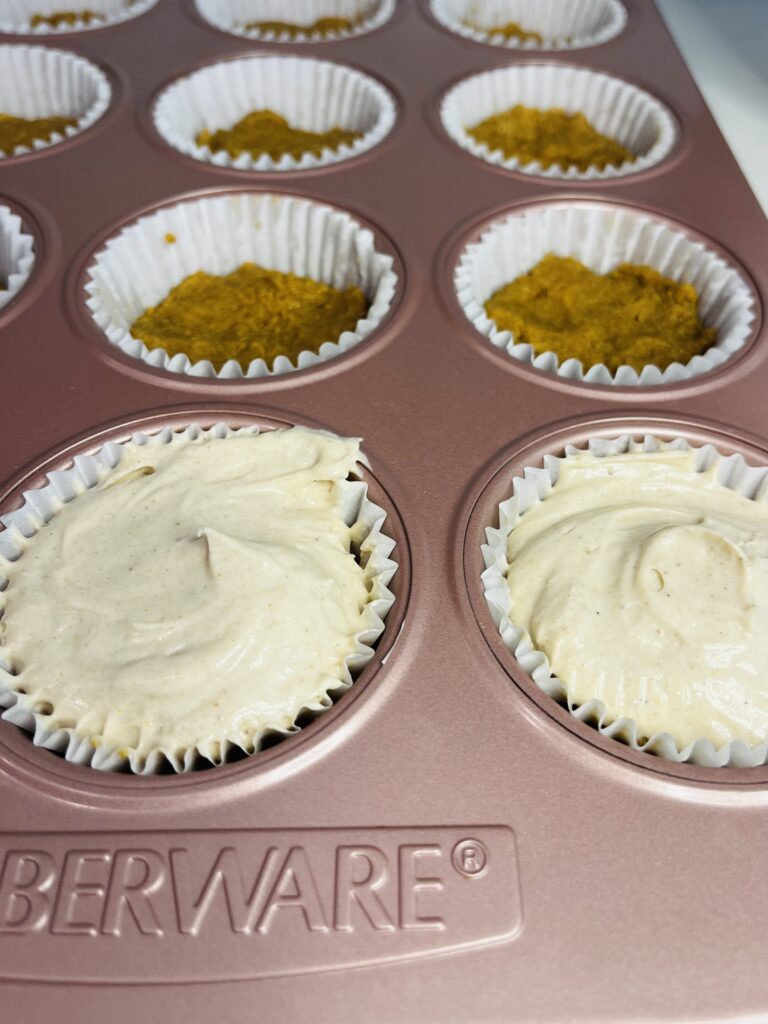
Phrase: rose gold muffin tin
x=447 y=843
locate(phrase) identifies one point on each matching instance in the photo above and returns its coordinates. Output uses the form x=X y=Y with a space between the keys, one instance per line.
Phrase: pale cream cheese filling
x=645 y=583
x=203 y=591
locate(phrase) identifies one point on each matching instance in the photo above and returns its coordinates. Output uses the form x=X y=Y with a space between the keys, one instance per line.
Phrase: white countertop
x=725 y=44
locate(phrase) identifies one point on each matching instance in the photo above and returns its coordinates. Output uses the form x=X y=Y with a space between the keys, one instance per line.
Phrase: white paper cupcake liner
x=534 y=486
x=563 y=24
x=373 y=547
x=16 y=15
x=233 y=15
x=138 y=267
x=36 y=81
x=602 y=238
x=312 y=95
x=17 y=255
x=615 y=108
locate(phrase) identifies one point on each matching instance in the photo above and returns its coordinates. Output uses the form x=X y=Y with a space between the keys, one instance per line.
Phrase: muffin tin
x=446 y=843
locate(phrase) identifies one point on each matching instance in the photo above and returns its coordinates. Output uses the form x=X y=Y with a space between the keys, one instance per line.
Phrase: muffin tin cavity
x=137 y=268
x=312 y=95
x=561 y=24
x=371 y=545
x=38 y=82
x=530 y=481
x=602 y=236
x=614 y=108
x=311 y=21
x=56 y=17
x=17 y=255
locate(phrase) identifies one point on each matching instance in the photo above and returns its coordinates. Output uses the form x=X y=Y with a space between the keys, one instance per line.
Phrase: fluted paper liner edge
x=233 y=15
x=569 y=25
x=602 y=238
x=617 y=109
x=365 y=519
x=17 y=255
x=137 y=268
x=312 y=95
x=58 y=83
x=17 y=16
x=533 y=487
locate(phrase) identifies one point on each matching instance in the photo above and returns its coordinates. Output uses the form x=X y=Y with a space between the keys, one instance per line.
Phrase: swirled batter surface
x=202 y=591
x=646 y=585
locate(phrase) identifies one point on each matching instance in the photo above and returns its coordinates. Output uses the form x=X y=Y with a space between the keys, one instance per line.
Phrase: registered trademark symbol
x=470 y=858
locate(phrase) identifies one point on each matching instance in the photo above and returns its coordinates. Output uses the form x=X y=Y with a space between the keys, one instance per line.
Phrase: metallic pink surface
x=446 y=844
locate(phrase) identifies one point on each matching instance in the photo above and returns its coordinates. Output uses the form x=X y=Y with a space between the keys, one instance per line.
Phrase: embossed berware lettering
x=250 y=903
